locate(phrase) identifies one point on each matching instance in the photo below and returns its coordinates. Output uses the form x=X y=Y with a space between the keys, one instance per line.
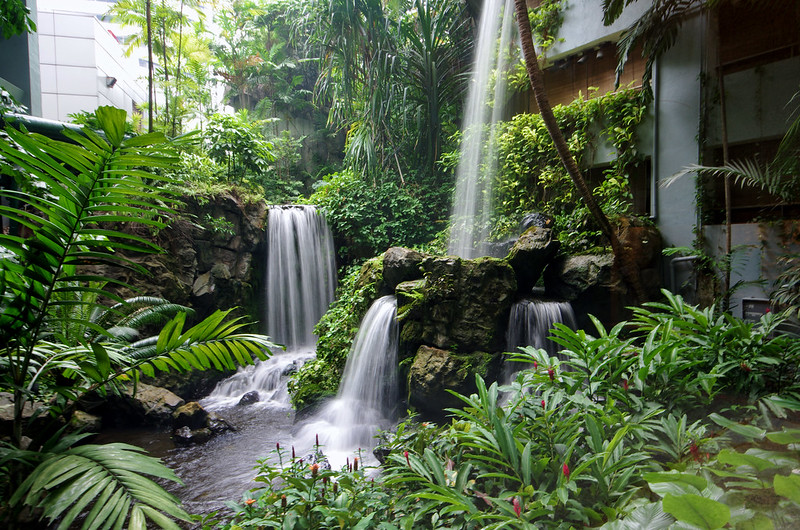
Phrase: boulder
x=536 y=219
x=191 y=415
x=435 y=371
x=217 y=424
x=249 y=398
x=400 y=265
x=7 y=412
x=151 y=405
x=186 y=436
x=465 y=304
x=84 y=422
x=529 y=256
x=590 y=284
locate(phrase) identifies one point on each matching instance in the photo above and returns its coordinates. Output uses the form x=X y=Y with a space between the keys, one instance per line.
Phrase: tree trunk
x=150 y=101
x=623 y=259
x=723 y=109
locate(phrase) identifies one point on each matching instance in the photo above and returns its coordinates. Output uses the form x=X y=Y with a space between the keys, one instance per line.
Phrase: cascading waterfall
x=368 y=393
x=477 y=166
x=301 y=274
x=529 y=324
x=301 y=277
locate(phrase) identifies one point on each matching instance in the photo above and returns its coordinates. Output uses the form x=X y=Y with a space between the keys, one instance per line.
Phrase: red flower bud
x=543 y=403
x=565 y=470
x=355 y=464
x=335 y=488
x=283 y=501
x=517 y=507
x=625 y=384
x=314 y=470
x=535 y=365
x=277 y=446
x=293 y=457
x=551 y=373
x=407 y=460
x=317 y=439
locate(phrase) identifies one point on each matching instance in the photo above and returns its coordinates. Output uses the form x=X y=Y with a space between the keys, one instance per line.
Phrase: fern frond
x=110 y=478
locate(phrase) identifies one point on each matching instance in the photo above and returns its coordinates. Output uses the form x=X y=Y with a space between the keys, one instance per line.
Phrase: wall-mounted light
x=111 y=81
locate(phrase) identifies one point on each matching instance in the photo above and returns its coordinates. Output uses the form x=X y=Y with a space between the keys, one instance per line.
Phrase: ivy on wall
x=530 y=176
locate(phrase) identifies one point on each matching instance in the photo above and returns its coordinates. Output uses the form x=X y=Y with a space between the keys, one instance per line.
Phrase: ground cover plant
x=644 y=425
x=60 y=341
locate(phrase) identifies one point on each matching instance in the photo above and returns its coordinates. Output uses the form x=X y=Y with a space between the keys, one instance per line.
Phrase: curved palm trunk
x=623 y=259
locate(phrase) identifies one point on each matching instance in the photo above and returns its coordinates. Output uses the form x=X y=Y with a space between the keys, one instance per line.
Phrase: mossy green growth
x=336 y=330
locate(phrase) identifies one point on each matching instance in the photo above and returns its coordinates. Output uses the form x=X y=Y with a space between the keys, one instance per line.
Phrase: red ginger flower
x=565 y=470
x=517 y=507
x=551 y=373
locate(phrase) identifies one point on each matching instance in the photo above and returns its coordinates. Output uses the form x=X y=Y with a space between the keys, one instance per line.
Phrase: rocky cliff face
x=214 y=249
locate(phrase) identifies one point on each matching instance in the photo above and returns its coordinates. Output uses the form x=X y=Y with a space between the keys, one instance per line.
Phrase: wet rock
x=203 y=285
x=191 y=415
x=435 y=371
x=7 y=412
x=217 y=424
x=400 y=265
x=84 y=422
x=465 y=304
x=151 y=405
x=186 y=436
x=250 y=398
x=530 y=255
x=536 y=219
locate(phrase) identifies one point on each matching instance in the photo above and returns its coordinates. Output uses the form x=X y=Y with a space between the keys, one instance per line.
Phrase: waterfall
x=301 y=274
x=368 y=393
x=477 y=166
x=530 y=323
x=300 y=282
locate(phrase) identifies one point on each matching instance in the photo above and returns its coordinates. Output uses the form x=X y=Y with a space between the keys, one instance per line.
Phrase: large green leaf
x=699 y=511
x=110 y=478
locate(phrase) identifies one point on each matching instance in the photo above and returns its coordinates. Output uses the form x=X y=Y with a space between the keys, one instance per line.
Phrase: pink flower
x=407 y=460
x=517 y=507
x=535 y=365
x=565 y=470
x=543 y=403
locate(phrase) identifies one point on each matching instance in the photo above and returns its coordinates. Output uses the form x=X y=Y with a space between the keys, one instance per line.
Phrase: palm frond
x=748 y=172
x=109 y=478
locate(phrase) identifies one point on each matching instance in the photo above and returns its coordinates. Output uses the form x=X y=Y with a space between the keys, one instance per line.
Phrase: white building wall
x=79 y=58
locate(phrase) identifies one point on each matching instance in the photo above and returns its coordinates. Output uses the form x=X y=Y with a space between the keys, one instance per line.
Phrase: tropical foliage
x=613 y=431
x=59 y=343
x=532 y=178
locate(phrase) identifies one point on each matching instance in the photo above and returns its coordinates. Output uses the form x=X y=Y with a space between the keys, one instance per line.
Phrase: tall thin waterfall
x=477 y=166
x=301 y=274
x=301 y=277
x=530 y=323
x=369 y=391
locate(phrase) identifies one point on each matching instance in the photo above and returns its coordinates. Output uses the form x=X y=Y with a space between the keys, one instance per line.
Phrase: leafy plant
x=68 y=201
x=300 y=493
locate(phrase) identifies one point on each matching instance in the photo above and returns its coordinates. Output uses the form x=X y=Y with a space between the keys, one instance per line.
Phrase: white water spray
x=368 y=394
x=477 y=166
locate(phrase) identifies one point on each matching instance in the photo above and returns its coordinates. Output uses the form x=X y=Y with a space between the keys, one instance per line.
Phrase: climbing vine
x=531 y=178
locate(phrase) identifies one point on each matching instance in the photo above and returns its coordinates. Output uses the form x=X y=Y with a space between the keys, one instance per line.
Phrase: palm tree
x=625 y=262
x=57 y=343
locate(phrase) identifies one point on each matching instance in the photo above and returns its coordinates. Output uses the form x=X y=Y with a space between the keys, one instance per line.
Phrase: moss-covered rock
x=401 y=265
x=435 y=371
x=466 y=303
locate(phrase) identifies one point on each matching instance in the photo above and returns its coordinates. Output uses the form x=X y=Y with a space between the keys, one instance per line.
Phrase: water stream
x=368 y=394
x=477 y=166
x=529 y=324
